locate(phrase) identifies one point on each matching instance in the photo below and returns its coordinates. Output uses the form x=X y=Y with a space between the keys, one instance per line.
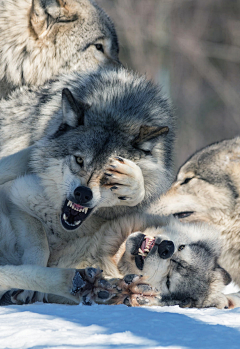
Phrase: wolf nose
x=83 y=195
x=166 y=249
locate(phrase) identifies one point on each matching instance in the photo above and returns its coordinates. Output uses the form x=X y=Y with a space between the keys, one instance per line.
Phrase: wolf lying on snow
x=179 y=264
x=41 y=39
x=107 y=151
x=207 y=189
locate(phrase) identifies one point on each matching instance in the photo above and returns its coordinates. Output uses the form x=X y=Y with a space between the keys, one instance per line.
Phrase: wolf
x=178 y=265
x=207 y=189
x=44 y=38
x=105 y=150
x=120 y=99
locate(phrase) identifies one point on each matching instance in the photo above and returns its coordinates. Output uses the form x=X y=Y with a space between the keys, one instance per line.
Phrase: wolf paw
x=92 y=288
x=125 y=180
x=20 y=297
x=132 y=290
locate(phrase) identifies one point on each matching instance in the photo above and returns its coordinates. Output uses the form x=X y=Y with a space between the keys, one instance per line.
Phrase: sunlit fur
x=41 y=39
x=213 y=196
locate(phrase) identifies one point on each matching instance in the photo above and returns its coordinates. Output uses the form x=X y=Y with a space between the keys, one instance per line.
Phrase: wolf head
x=181 y=261
x=42 y=38
x=114 y=113
x=207 y=186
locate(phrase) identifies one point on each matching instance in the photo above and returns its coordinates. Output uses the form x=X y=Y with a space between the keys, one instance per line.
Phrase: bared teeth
x=83 y=209
x=65 y=217
x=141 y=253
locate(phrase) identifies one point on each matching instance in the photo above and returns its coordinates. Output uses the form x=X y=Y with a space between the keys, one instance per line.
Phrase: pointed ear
x=44 y=13
x=225 y=275
x=72 y=110
x=148 y=136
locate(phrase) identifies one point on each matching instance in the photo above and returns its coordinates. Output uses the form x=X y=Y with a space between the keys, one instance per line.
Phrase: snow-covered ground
x=39 y=326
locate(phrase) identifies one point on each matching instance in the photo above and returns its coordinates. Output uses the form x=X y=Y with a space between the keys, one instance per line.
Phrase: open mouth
x=185 y=214
x=146 y=245
x=73 y=215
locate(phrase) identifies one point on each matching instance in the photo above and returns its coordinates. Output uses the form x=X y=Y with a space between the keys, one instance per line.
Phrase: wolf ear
x=47 y=12
x=72 y=110
x=147 y=136
x=225 y=275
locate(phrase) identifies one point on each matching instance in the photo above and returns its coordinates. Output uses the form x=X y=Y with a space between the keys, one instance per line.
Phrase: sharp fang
x=85 y=210
x=141 y=253
x=78 y=222
x=65 y=217
x=146 y=250
x=69 y=203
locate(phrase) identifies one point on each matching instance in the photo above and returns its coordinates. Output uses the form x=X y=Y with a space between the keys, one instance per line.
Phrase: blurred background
x=192 y=48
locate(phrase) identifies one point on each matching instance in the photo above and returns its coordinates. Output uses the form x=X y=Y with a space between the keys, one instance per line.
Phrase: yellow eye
x=79 y=160
x=181 y=247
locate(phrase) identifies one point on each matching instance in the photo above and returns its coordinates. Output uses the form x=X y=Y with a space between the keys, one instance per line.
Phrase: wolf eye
x=186 y=181
x=79 y=160
x=181 y=247
x=99 y=47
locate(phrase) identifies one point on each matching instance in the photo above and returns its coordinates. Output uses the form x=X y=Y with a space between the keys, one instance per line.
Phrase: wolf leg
x=72 y=285
x=14 y=165
x=124 y=178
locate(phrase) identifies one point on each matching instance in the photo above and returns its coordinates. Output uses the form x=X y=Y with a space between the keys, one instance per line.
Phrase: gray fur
x=41 y=39
x=120 y=104
x=207 y=188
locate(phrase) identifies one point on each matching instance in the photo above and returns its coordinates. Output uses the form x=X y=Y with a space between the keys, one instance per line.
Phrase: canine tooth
x=85 y=210
x=69 y=203
x=77 y=223
x=65 y=217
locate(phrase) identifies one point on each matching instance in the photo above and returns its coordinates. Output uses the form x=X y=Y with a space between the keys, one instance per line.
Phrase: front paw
x=125 y=180
x=89 y=284
x=20 y=297
x=132 y=290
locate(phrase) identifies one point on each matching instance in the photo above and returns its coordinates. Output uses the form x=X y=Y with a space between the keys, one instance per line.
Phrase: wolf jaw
x=144 y=247
x=73 y=215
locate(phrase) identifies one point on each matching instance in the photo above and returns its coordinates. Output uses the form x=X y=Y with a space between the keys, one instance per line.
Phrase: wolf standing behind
x=43 y=38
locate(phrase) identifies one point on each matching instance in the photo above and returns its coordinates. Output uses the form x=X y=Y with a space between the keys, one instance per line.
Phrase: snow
x=40 y=325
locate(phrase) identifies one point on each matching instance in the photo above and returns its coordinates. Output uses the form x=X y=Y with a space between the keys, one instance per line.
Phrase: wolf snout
x=166 y=249
x=83 y=195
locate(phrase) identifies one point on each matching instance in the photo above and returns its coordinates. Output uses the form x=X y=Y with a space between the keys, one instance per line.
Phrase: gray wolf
x=207 y=189
x=132 y=109
x=179 y=264
x=43 y=38
x=106 y=152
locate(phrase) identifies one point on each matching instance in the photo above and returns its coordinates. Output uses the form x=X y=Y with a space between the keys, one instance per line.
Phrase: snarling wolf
x=107 y=151
x=43 y=38
x=207 y=189
x=120 y=107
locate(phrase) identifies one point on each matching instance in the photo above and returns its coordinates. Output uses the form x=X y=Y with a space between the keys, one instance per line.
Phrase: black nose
x=166 y=249
x=83 y=195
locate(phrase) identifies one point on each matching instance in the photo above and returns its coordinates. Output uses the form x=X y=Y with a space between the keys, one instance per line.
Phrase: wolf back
x=41 y=39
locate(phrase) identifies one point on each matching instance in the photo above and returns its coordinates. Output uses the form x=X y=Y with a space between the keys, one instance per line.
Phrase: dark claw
x=122 y=198
x=27 y=300
x=86 y=300
x=127 y=302
x=91 y=272
x=108 y=174
x=103 y=294
x=119 y=159
x=17 y=292
x=78 y=283
x=129 y=278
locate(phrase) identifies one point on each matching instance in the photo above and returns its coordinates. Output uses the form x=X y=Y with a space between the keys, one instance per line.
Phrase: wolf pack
x=89 y=209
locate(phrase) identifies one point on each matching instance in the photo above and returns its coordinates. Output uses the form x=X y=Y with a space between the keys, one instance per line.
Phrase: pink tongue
x=76 y=206
x=144 y=243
